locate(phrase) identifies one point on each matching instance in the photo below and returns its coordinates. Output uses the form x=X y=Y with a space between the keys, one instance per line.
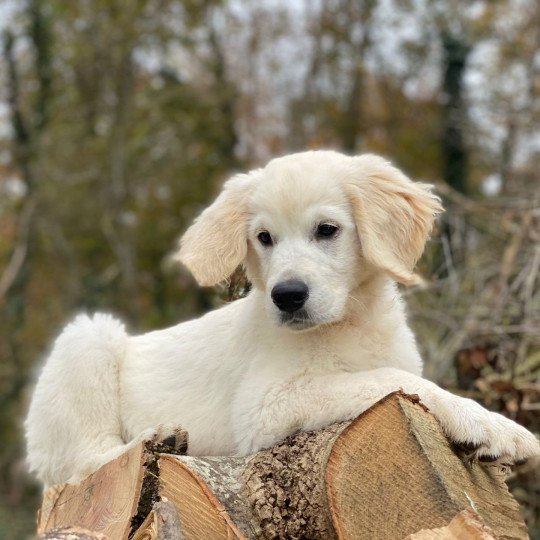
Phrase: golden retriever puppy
x=320 y=338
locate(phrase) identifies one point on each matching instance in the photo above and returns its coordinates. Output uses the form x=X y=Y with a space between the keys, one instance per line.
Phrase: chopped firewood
x=389 y=473
x=114 y=500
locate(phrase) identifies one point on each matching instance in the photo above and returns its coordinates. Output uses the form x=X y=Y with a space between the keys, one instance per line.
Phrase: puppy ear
x=394 y=216
x=216 y=243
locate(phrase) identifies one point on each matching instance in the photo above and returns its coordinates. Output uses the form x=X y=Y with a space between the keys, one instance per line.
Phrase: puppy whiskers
x=358 y=301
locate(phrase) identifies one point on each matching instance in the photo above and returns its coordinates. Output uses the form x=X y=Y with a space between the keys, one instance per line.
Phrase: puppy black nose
x=290 y=295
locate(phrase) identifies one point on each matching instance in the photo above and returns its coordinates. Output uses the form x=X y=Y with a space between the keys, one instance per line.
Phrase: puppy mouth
x=298 y=320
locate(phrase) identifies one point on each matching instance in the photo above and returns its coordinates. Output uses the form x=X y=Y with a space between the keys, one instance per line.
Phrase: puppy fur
x=245 y=376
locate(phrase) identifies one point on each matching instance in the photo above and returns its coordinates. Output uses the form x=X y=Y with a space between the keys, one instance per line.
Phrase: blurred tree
x=29 y=116
x=330 y=111
x=454 y=152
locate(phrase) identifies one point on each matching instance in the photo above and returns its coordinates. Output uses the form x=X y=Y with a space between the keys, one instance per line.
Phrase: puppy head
x=310 y=228
x=303 y=250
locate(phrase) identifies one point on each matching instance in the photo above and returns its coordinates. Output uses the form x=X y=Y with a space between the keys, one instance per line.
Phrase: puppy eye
x=326 y=230
x=265 y=239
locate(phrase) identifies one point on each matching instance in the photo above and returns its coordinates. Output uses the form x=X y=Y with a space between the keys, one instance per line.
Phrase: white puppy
x=320 y=338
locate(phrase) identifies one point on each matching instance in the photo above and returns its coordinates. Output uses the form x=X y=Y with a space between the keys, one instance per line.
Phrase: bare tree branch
x=20 y=250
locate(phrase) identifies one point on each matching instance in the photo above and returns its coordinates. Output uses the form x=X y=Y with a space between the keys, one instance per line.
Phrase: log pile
x=389 y=474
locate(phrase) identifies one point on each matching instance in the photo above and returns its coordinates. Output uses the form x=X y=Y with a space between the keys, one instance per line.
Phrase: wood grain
x=392 y=472
x=104 y=502
x=201 y=513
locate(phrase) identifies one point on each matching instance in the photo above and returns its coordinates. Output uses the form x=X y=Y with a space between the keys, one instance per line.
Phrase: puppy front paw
x=166 y=438
x=484 y=435
x=172 y=440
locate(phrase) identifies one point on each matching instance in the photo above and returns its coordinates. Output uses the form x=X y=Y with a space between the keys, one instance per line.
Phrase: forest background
x=119 y=121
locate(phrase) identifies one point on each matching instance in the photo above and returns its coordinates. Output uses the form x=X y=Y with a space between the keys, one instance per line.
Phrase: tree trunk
x=390 y=473
x=454 y=152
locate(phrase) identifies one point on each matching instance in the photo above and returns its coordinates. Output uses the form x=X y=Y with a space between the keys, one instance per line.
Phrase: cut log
x=104 y=502
x=393 y=472
x=114 y=500
x=390 y=473
x=276 y=493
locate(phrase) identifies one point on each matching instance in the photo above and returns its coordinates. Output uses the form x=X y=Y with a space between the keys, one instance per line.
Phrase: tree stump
x=388 y=474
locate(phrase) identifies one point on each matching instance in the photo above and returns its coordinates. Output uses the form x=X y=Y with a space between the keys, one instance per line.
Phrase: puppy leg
x=310 y=403
x=73 y=425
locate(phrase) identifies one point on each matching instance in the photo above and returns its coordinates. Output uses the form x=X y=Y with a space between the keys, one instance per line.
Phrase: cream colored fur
x=241 y=378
